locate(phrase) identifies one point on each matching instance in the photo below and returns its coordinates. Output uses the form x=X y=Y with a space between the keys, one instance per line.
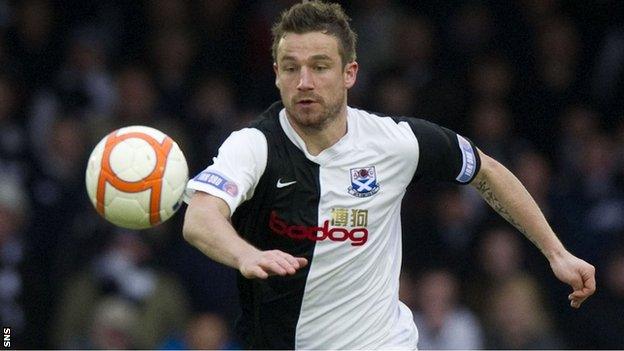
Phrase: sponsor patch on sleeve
x=469 y=161
x=218 y=181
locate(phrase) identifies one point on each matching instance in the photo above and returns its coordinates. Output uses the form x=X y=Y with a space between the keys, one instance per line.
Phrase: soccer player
x=306 y=202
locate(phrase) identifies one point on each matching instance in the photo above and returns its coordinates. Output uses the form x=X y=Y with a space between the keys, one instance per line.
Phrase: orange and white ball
x=136 y=177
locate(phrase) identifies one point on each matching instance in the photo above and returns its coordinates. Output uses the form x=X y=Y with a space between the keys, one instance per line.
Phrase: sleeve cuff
x=193 y=186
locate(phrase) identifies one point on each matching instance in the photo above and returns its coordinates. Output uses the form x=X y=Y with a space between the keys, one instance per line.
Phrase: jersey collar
x=326 y=155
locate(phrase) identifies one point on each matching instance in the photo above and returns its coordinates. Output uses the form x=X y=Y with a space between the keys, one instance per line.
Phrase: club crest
x=363 y=182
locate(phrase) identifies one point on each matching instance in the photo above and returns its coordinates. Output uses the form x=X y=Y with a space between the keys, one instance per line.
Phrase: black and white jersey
x=340 y=210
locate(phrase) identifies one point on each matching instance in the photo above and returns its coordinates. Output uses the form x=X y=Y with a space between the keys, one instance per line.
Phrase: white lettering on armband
x=469 y=160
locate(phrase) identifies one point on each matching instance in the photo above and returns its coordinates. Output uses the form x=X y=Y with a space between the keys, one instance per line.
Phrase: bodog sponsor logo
x=357 y=236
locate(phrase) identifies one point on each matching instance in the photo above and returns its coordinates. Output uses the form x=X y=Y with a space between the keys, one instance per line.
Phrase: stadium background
x=539 y=84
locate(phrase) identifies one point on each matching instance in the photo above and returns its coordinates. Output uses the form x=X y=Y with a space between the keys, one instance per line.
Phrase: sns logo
x=357 y=236
x=7 y=337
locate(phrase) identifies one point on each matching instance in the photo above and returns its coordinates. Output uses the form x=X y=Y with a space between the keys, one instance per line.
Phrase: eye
x=289 y=68
x=320 y=68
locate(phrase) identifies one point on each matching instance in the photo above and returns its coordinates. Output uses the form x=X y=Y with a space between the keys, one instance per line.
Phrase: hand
x=577 y=273
x=262 y=264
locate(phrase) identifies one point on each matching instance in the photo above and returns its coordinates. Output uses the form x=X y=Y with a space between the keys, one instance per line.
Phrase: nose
x=306 y=81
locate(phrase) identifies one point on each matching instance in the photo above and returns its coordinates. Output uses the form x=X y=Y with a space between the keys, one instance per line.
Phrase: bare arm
x=507 y=196
x=207 y=227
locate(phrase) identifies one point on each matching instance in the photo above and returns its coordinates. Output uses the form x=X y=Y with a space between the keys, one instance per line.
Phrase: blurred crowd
x=538 y=84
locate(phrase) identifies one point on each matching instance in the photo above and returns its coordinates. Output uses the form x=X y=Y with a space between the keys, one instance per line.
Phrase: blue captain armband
x=469 y=161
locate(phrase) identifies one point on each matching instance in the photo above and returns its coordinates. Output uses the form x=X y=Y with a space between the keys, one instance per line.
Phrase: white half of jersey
x=351 y=298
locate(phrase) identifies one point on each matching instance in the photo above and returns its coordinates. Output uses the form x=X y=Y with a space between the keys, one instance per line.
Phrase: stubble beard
x=327 y=114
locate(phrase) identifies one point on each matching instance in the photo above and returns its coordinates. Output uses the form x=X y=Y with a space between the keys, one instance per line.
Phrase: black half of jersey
x=269 y=220
x=440 y=155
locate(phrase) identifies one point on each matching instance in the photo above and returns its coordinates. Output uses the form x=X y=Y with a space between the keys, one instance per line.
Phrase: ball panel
x=132 y=159
x=128 y=210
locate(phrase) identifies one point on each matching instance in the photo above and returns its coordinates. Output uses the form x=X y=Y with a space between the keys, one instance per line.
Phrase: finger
x=273 y=267
x=284 y=263
x=577 y=282
x=583 y=294
x=291 y=260
x=576 y=301
x=302 y=261
x=590 y=281
x=257 y=272
x=580 y=294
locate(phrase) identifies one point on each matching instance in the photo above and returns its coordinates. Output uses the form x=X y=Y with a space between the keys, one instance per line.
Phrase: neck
x=318 y=139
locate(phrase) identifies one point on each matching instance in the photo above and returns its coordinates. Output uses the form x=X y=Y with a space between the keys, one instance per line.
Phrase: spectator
x=471 y=31
x=59 y=203
x=395 y=94
x=84 y=84
x=491 y=125
x=555 y=83
x=113 y=326
x=415 y=56
x=591 y=200
x=206 y=331
x=533 y=170
x=375 y=20
x=517 y=318
x=443 y=323
x=491 y=79
x=125 y=271
x=214 y=115
x=608 y=74
x=499 y=257
x=34 y=43
x=578 y=125
x=455 y=222
x=173 y=53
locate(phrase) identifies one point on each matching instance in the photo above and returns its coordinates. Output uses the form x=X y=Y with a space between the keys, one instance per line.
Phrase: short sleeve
x=236 y=170
x=443 y=154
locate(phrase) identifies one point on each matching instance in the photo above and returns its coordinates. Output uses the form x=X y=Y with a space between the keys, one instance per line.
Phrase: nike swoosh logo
x=281 y=185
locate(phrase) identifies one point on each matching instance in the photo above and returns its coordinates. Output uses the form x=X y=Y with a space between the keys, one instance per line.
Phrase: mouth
x=306 y=102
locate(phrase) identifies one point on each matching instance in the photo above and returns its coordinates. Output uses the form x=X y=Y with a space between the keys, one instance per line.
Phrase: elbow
x=189 y=232
x=203 y=216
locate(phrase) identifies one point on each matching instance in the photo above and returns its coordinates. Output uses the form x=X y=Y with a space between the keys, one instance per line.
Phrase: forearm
x=206 y=226
x=507 y=196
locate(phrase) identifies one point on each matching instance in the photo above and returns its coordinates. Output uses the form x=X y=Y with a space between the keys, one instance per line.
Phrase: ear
x=350 y=74
x=276 y=75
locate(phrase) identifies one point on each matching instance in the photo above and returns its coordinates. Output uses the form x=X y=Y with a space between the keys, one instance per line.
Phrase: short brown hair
x=317 y=16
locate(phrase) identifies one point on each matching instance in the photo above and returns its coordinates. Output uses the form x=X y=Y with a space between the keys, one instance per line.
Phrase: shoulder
x=380 y=125
x=245 y=141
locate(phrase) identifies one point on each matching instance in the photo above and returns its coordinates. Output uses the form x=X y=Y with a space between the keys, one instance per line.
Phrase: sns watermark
x=6 y=340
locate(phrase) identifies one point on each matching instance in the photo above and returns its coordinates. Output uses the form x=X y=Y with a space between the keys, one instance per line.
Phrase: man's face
x=312 y=80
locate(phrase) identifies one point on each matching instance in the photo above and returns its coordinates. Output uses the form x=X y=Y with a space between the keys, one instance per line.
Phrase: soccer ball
x=136 y=177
